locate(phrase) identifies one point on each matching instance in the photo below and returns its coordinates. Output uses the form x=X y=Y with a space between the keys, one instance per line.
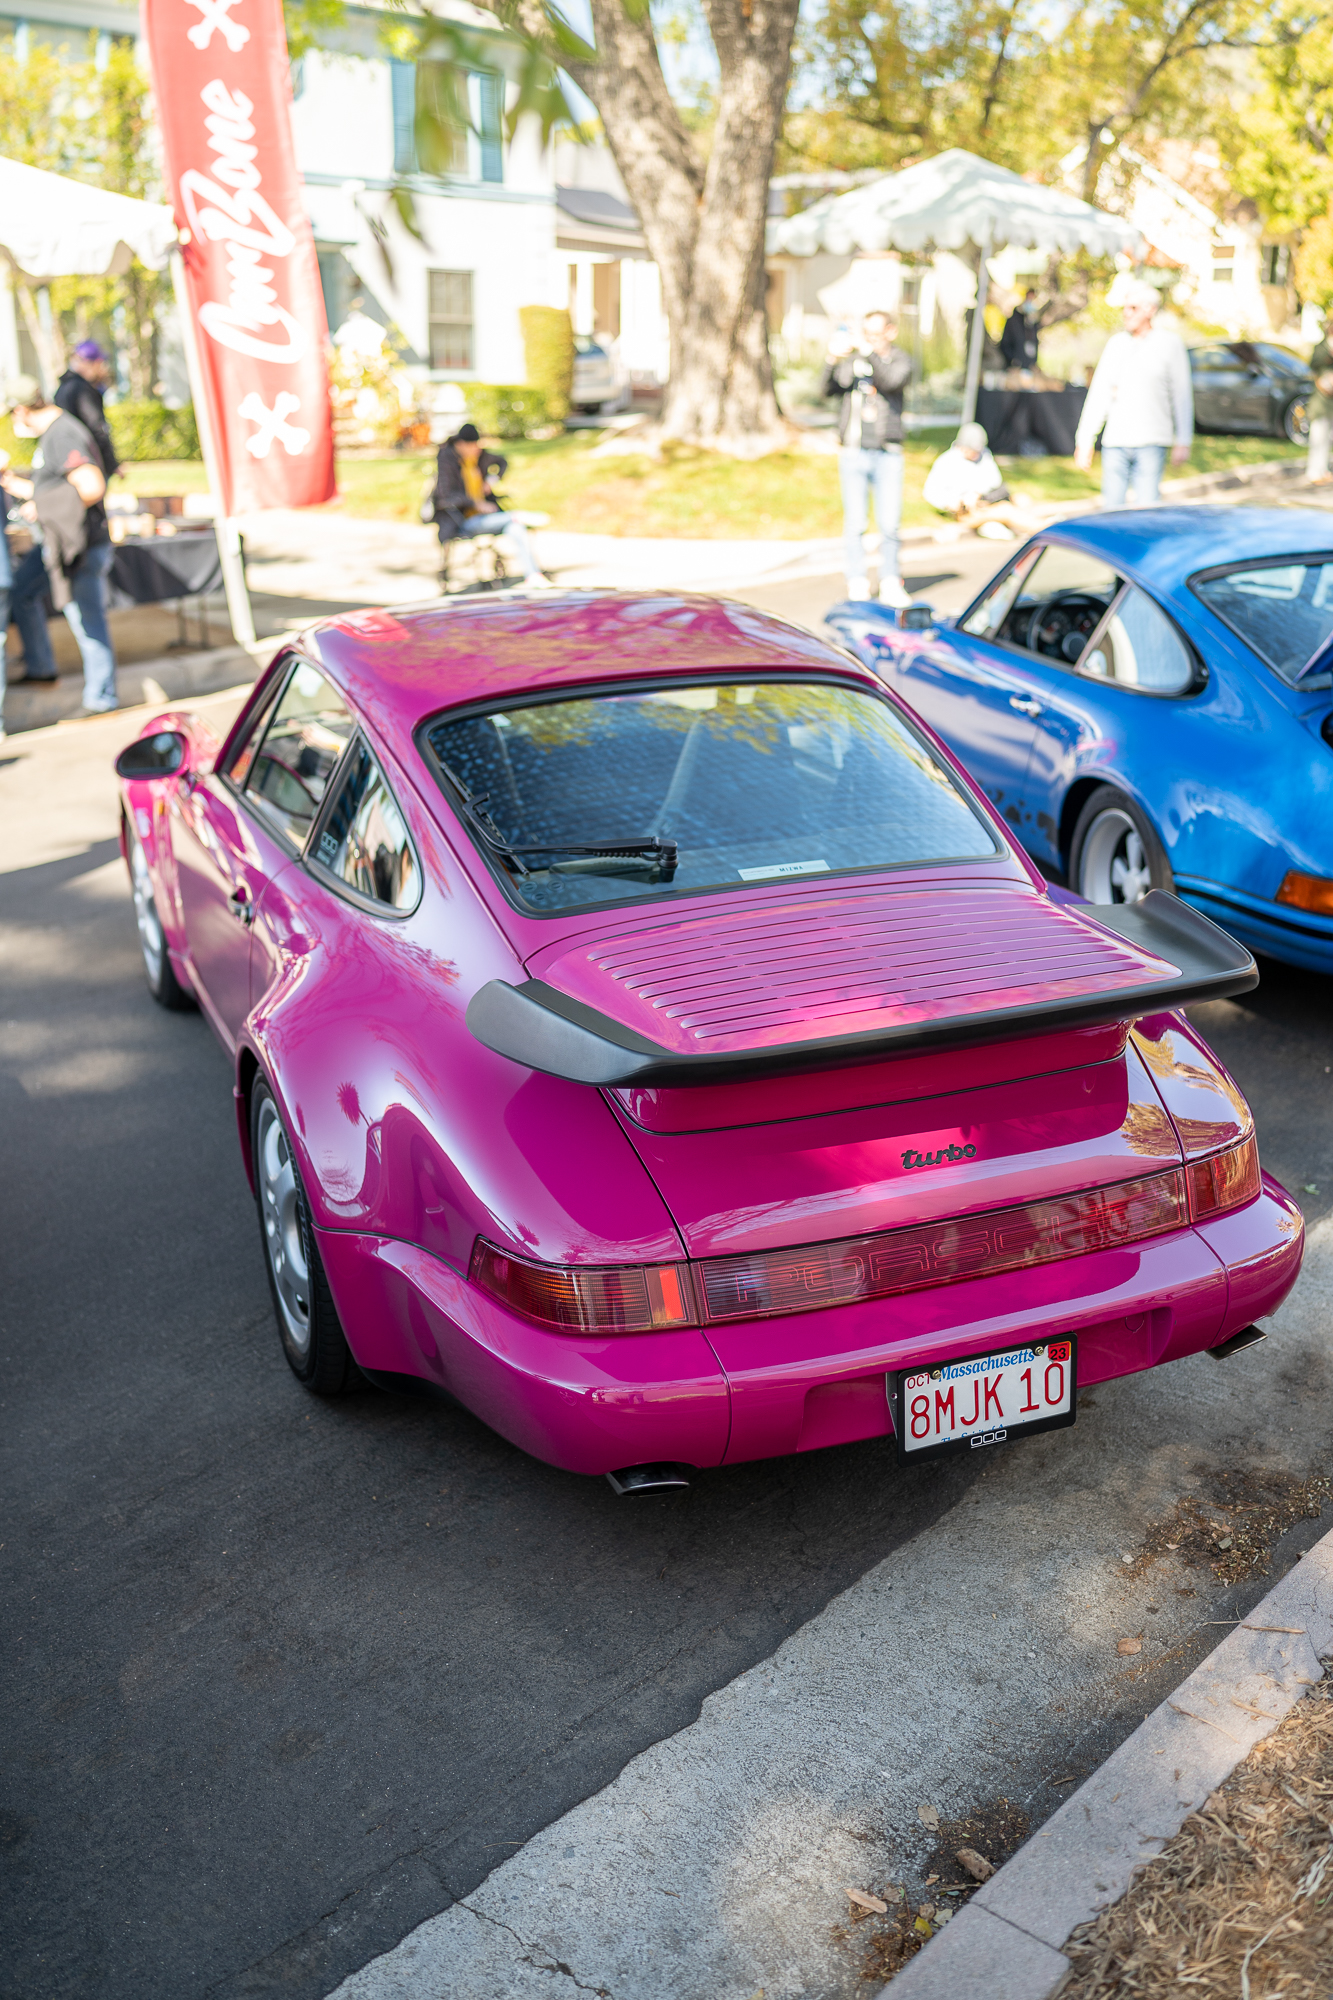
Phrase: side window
x=990 y=612
x=1060 y=603
x=364 y=840
x=238 y=770
x=311 y=728
x=1140 y=647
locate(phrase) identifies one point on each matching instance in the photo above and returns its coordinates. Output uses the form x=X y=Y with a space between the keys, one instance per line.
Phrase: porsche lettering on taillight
x=644 y=1298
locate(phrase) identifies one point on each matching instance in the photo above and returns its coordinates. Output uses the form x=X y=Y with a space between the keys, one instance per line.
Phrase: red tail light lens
x=942 y=1253
x=601 y=1298
x=1224 y=1180
x=638 y=1298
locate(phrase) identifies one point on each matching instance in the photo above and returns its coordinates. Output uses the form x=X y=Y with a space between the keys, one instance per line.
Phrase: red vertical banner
x=220 y=78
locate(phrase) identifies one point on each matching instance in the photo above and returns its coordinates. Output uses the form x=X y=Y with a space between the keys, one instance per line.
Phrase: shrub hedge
x=506 y=410
x=548 y=353
x=151 y=430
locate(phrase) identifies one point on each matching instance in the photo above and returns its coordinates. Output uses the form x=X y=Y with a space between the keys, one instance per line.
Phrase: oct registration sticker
x=983 y=1400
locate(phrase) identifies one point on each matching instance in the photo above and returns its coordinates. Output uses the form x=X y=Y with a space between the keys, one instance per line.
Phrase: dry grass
x=1239 y=1906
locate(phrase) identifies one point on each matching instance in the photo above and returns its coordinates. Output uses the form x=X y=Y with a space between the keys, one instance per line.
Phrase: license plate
x=984 y=1399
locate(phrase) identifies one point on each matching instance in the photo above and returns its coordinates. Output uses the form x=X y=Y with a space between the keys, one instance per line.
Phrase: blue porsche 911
x=1146 y=697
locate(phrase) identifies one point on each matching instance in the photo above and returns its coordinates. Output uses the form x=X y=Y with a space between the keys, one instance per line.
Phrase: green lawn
x=790 y=496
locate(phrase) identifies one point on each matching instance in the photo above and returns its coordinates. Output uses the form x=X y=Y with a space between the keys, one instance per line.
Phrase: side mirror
x=156 y=756
x=917 y=618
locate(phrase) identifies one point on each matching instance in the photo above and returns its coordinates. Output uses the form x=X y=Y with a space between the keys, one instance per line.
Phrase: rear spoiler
x=544 y=1029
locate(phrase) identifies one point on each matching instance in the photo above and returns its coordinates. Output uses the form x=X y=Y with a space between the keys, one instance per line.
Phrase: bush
x=20 y=449
x=506 y=410
x=151 y=430
x=548 y=354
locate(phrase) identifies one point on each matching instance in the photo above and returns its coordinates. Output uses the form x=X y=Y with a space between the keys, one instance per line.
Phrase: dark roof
x=590 y=205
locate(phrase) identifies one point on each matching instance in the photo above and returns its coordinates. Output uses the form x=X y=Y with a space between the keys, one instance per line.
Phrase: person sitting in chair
x=465 y=504
x=965 y=483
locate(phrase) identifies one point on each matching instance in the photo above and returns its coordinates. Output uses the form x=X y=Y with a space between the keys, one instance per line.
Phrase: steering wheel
x=1062 y=626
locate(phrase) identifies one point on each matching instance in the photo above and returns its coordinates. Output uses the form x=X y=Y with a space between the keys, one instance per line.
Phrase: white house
x=508 y=225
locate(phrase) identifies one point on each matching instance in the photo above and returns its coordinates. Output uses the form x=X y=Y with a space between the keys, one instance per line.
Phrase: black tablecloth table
x=1012 y=417
x=165 y=566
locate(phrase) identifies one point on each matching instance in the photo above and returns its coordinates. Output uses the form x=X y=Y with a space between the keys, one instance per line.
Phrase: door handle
x=1023 y=705
x=238 y=902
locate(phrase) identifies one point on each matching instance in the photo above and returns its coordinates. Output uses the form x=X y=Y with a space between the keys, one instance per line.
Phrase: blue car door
x=992 y=685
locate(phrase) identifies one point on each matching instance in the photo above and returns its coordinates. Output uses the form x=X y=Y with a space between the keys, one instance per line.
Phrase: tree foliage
x=92 y=125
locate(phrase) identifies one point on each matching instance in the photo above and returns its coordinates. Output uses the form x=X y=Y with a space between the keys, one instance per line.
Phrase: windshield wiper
x=663 y=853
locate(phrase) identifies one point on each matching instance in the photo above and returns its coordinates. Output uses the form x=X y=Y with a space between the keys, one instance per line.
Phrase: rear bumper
x=771 y=1387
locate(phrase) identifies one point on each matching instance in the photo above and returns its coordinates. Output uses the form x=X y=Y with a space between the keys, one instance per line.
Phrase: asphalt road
x=285 y=1678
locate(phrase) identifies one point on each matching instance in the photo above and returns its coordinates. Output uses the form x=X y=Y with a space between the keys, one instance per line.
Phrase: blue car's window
x=1050 y=606
x=1283 y=611
x=698 y=788
x=1139 y=647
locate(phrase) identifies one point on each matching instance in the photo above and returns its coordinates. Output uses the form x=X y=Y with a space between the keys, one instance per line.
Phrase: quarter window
x=311 y=728
x=364 y=841
x=1139 y=647
x=1283 y=610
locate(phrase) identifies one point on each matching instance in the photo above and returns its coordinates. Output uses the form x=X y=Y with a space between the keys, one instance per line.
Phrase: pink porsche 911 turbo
x=645 y=1031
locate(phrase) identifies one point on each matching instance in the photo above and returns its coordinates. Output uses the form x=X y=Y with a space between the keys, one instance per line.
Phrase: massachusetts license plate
x=983 y=1400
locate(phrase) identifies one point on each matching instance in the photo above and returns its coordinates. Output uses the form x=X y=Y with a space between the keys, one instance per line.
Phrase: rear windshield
x=1283 y=611
x=698 y=788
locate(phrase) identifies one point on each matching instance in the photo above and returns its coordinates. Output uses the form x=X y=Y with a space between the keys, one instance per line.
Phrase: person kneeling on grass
x=965 y=483
x=466 y=506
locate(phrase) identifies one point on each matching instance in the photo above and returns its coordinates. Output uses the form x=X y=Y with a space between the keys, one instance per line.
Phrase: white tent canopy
x=51 y=227
x=947 y=203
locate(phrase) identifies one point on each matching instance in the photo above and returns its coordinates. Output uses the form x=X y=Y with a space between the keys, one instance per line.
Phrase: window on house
x=1275 y=263
x=436 y=113
x=450 y=315
x=1224 y=263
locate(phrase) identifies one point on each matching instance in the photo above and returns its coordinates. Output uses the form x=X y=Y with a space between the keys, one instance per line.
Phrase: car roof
x=401 y=665
x=1164 y=545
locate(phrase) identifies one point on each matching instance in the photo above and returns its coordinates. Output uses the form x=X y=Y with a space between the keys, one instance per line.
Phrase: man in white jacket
x=1142 y=393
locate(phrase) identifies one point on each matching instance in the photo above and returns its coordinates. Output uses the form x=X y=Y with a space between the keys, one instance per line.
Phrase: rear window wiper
x=661 y=855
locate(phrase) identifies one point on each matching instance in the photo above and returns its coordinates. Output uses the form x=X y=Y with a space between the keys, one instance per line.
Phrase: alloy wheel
x=151 y=941
x=1114 y=866
x=283 y=1236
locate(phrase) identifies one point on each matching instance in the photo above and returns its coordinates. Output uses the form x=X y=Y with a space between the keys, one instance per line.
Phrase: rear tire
x=1115 y=855
x=1294 y=423
x=308 y=1324
x=159 y=972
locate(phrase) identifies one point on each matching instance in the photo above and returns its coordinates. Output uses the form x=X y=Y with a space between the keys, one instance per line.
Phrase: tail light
x=595 y=1298
x=1224 y=1180
x=643 y=1298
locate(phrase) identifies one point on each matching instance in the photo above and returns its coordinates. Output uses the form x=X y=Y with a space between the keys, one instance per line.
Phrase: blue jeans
x=86 y=617
x=861 y=473
x=514 y=531
x=1132 y=465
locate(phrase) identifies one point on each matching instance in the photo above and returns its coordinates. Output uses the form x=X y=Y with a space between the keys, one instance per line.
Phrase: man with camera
x=1321 y=406
x=868 y=377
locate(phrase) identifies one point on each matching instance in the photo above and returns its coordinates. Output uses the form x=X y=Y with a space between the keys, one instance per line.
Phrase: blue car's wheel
x=1115 y=855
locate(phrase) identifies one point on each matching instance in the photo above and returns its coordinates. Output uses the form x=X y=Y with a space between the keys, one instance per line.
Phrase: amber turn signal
x=1307 y=892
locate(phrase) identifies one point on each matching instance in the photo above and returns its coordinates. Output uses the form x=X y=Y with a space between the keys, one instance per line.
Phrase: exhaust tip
x=1249 y=1336
x=649 y=1479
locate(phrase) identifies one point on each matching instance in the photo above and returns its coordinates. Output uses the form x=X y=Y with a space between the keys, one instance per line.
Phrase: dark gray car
x=1251 y=386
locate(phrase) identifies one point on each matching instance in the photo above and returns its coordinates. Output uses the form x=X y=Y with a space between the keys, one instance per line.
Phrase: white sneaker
x=539 y=582
x=891 y=592
x=858 y=590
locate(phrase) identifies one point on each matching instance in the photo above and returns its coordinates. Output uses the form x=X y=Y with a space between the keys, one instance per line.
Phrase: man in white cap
x=1142 y=393
x=965 y=483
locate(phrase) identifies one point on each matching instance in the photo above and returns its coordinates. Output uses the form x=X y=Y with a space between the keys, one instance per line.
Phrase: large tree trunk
x=704 y=223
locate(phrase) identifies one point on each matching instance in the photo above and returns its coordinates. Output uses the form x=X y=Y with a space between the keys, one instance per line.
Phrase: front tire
x=160 y=973
x=1115 y=855
x=311 y=1332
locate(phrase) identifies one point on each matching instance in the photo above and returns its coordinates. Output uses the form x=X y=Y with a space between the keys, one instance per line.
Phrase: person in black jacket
x=868 y=377
x=81 y=391
x=464 y=500
x=1022 y=332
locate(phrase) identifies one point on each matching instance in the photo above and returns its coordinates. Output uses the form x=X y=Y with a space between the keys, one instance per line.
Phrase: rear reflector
x=1225 y=1180
x=941 y=1253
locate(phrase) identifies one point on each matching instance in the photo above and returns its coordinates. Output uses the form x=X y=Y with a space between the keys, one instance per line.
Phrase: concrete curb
x=1006 y=1942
